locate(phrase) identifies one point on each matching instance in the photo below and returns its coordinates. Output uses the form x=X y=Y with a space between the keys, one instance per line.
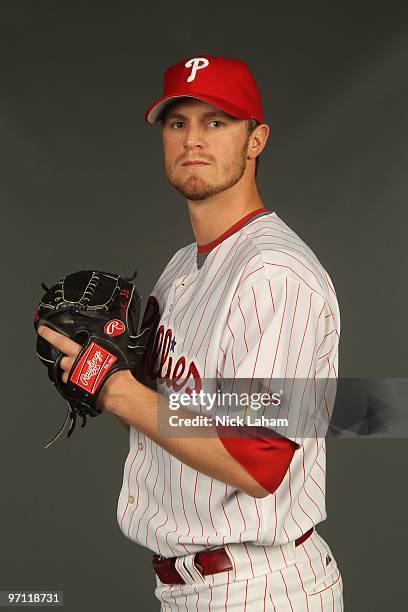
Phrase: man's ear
x=257 y=140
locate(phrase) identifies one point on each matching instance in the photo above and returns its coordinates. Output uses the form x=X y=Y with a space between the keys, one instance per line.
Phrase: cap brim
x=156 y=109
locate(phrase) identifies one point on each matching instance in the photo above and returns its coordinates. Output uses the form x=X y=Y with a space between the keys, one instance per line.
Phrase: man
x=228 y=510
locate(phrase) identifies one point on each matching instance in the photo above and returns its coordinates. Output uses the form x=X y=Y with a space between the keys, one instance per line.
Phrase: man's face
x=195 y=130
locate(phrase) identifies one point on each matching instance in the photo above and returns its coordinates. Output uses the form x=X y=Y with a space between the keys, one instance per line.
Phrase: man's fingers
x=67 y=346
x=61 y=342
x=66 y=363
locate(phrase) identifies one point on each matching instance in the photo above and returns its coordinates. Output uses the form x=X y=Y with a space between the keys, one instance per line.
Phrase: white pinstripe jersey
x=260 y=306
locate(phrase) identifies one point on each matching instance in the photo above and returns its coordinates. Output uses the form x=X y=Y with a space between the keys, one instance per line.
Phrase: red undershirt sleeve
x=265 y=457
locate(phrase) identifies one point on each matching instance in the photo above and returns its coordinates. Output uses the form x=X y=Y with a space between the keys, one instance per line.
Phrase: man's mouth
x=195 y=162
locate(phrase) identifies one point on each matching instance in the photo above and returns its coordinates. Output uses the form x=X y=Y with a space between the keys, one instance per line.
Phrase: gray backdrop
x=82 y=185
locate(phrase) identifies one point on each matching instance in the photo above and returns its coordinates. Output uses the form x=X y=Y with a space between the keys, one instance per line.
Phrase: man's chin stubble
x=196 y=189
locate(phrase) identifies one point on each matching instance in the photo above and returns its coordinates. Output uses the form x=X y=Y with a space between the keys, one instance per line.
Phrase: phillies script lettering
x=93 y=368
x=163 y=366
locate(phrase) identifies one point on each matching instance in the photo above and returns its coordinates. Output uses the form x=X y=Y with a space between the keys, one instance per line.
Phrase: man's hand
x=71 y=350
x=67 y=346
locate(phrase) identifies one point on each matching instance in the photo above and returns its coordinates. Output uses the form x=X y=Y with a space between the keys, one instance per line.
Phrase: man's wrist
x=116 y=388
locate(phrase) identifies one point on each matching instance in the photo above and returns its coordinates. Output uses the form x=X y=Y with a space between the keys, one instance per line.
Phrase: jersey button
x=131 y=499
x=140 y=445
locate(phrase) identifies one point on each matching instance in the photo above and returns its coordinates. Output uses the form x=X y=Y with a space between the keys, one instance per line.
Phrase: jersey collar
x=204 y=248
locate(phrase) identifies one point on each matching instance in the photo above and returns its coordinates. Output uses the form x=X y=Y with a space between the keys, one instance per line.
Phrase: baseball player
x=228 y=510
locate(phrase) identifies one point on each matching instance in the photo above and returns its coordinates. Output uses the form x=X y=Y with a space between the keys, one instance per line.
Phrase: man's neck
x=212 y=217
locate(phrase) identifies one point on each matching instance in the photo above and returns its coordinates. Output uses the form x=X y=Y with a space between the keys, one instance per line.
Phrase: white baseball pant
x=284 y=578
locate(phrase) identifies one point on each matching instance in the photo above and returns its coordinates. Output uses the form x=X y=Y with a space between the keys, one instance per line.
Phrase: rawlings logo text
x=93 y=368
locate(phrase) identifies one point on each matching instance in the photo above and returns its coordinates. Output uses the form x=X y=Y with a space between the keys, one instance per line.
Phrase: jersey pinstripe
x=261 y=306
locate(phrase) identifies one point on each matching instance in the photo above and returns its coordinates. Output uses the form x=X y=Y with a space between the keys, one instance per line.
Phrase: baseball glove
x=101 y=312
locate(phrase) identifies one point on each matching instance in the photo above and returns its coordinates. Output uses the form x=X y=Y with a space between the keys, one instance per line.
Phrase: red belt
x=207 y=562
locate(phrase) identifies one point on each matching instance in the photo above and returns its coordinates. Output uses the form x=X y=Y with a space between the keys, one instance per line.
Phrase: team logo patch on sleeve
x=92 y=368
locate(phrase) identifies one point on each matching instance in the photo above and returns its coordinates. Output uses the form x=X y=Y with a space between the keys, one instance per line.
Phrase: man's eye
x=175 y=123
x=216 y=121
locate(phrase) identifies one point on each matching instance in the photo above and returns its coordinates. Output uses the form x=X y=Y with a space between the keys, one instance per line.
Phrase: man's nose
x=193 y=136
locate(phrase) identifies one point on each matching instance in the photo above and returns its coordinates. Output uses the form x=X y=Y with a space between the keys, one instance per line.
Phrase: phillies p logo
x=195 y=63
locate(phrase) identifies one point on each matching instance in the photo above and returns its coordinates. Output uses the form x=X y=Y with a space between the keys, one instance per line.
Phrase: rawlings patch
x=92 y=368
x=114 y=327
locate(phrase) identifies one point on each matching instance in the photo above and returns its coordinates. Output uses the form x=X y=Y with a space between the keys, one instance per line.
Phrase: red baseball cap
x=224 y=82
